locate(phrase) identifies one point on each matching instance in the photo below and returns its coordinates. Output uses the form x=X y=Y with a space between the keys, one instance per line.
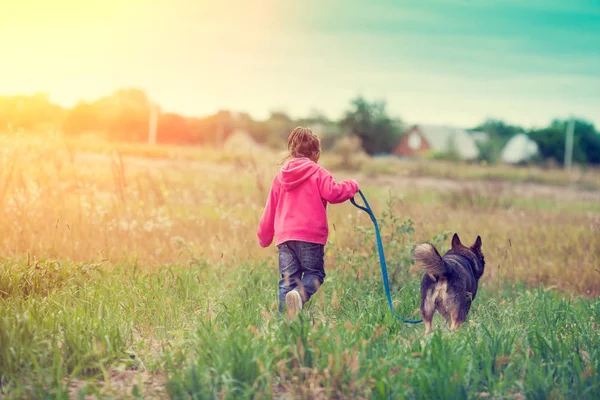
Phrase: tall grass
x=586 y=178
x=58 y=202
x=216 y=334
x=131 y=277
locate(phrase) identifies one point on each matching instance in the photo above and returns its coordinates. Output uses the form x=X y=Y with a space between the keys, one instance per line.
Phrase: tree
x=213 y=129
x=498 y=128
x=124 y=115
x=551 y=142
x=128 y=113
x=30 y=113
x=315 y=117
x=279 y=125
x=81 y=118
x=589 y=139
x=369 y=121
x=173 y=128
x=499 y=133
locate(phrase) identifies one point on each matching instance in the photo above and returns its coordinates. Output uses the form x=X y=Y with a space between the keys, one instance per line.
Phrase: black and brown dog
x=449 y=284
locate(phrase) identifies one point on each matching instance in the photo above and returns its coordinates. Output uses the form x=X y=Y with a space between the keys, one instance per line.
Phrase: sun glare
x=49 y=44
x=75 y=50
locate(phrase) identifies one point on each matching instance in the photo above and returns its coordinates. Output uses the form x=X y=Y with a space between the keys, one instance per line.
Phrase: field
x=134 y=272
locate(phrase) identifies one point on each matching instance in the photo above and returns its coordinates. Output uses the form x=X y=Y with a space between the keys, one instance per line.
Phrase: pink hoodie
x=296 y=208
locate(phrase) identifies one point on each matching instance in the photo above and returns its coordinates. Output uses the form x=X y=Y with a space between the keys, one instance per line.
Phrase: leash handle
x=366 y=208
x=386 y=283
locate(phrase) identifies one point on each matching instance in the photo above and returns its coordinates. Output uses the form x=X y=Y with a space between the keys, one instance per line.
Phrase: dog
x=449 y=284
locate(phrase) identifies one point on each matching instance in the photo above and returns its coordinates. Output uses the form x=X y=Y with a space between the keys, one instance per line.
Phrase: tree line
x=550 y=140
x=125 y=116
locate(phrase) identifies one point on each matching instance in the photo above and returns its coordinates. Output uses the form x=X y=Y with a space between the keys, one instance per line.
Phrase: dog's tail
x=425 y=255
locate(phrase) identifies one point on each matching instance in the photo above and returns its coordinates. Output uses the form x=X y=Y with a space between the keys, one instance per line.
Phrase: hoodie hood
x=295 y=172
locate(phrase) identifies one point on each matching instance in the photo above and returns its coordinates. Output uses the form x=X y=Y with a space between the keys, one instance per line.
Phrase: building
x=519 y=149
x=420 y=139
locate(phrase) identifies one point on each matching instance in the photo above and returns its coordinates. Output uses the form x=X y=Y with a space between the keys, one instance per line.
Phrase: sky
x=452 y=62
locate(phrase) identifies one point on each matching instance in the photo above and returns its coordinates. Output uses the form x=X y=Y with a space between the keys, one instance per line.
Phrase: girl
x=296 y=214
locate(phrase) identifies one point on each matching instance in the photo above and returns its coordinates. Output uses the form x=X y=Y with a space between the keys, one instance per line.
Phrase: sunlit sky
x=451 y=62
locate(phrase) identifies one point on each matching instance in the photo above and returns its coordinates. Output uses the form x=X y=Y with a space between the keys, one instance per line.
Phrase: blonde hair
x=303 y=143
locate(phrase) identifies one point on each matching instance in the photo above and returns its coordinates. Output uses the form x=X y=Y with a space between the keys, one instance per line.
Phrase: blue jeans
x=302 y=267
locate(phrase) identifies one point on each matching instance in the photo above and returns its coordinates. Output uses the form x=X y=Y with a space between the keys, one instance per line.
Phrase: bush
x=350 y=150
x=453 y=156
x=370 y=122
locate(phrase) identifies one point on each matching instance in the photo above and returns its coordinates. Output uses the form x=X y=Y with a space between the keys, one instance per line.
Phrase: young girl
x=296 y=214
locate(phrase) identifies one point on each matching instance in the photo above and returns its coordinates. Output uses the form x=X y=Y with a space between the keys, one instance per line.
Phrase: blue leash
x=382 y=262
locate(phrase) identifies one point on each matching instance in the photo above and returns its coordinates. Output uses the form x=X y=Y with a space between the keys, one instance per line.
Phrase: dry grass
x=124 y=275
x=59 y=202
x=580 y=177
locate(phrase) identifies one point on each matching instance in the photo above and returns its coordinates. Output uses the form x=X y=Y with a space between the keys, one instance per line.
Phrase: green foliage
x=451 y=153
x=499 y=129
x=124 y=115
x=221 y=336
x=538 y=346
x=589 y=139
x=397 y=237
x=279 y=125
x=586 y=142
x=370 y=122
x=499 y=133
x=30 y=114
x=550 y=141
x=258 y=130
x=489 y=150
x=210 y=329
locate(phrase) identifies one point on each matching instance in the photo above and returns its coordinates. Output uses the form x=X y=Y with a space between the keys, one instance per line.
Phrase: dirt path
x=519 y=189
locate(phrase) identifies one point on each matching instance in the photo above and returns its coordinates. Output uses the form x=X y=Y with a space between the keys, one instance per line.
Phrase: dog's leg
x=428 y=328
x=454 y=326
x=457 y=316
x=427 y=311
x=428 y=297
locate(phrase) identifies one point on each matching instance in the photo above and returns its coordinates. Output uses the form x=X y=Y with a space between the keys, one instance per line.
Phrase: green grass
x=223 y=338
x=142 y=278
x=537 y=346
x=215 y=333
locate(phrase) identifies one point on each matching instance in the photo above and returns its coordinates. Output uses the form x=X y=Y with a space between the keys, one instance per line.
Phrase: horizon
x=459 y=62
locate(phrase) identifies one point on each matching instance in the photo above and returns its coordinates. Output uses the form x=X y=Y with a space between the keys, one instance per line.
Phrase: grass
x=583 y=178
x=216 y=335
x=129 y=277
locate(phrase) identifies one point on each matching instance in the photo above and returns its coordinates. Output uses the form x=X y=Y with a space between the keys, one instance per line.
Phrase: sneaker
x=293 y=302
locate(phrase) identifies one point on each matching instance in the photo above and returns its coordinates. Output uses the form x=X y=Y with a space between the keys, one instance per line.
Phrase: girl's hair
x=303 y=143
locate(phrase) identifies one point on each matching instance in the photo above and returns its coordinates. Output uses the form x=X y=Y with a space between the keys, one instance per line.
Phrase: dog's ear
x=456 y=241
x=477 y=244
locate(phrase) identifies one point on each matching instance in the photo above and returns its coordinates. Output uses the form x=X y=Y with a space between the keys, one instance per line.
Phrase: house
x=413 y=142
x=442 y=139
x=520 y=148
